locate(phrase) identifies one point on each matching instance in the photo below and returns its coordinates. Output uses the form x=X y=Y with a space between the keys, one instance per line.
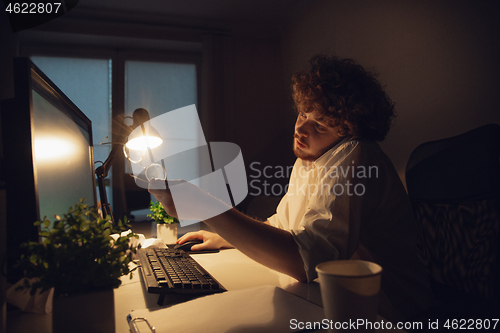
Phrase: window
x=157 y=86
x=87 y=82
x=160 y=87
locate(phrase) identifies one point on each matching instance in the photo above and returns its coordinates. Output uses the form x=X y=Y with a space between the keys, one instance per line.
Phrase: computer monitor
x=48 y=155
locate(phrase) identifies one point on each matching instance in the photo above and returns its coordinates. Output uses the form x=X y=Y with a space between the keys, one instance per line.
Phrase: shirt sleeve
x=327 y=234
x=280 y=218
x=330 y=226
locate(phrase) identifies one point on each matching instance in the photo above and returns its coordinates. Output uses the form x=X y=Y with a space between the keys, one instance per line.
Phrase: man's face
x=313 y=136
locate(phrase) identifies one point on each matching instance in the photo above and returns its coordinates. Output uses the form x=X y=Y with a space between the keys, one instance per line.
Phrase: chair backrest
x=454 y=187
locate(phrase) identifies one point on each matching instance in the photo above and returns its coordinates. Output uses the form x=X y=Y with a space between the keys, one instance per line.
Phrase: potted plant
x=166 y=225
x=82 y=262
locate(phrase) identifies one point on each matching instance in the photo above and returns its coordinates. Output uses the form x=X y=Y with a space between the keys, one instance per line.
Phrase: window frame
x=118 y=58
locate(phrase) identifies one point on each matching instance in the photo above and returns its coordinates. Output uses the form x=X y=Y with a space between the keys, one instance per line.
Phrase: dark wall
x=438 y=59
x=262 y=123
x=7 y=42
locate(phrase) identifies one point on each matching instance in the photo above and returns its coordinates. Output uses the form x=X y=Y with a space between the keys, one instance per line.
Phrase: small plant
x=78 y=254
x=160 y=215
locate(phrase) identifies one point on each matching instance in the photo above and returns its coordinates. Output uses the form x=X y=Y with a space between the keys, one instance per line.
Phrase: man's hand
x=211 y=241
x=268 y=245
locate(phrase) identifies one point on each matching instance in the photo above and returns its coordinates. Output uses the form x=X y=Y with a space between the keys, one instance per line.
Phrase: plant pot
x=89 y=312
x=167 y=232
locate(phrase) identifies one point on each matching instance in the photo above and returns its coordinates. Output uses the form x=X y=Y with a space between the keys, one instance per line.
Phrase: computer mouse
x=186 y=246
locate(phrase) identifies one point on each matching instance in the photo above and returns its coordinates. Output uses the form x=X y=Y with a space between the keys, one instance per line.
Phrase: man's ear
x=346 y=129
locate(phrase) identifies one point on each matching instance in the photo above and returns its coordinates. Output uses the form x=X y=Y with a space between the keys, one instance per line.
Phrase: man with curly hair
x=344 y=200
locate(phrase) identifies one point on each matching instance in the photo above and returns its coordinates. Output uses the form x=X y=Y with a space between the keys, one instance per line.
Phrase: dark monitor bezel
x=22 y=201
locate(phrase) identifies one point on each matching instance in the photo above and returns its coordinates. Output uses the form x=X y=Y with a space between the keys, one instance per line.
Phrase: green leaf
x=77 y=252
x=160 y=215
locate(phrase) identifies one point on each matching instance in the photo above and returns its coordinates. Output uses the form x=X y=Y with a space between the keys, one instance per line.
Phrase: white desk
x=230 y=267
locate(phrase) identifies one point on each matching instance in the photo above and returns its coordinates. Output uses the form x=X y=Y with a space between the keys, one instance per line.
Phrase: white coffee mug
x=349 y=291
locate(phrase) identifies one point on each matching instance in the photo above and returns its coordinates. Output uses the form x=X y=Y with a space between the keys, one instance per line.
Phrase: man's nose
x=302 y=129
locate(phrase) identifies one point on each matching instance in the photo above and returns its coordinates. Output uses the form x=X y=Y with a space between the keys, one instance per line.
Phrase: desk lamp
x=140 y=140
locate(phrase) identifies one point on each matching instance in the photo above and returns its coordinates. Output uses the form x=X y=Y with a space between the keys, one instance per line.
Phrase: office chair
x=454 y=187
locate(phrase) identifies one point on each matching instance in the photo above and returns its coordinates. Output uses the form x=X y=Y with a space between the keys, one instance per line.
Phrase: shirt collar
x=323 y=159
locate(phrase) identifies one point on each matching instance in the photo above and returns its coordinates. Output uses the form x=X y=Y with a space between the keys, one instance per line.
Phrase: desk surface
x=230 y=267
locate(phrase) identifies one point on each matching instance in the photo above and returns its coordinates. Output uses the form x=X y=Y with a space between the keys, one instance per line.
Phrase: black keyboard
x=171 y=270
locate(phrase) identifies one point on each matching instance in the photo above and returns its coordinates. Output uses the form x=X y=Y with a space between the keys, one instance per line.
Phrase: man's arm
x=268 y=245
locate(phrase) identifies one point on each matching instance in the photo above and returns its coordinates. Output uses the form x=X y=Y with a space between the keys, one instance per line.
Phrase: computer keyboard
x=171 y=270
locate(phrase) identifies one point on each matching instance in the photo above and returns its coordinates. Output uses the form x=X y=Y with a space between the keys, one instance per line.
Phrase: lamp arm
x=139 y=117
x=105 y=206
x=103 y=170
x=101 y=173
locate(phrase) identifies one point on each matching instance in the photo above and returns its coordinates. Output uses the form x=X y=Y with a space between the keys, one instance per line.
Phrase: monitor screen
x=62 y=155
x=48 y=154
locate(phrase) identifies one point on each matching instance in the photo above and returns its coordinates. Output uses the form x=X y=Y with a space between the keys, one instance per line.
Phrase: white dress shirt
x=351 y=202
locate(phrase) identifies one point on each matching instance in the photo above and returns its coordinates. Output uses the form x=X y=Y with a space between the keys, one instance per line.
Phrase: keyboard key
x=175 y=271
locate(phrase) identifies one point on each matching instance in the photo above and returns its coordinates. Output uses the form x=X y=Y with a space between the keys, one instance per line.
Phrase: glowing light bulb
x=144 y=142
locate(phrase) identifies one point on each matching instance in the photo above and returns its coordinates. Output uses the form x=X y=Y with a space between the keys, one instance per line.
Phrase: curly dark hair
x=347 y=94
